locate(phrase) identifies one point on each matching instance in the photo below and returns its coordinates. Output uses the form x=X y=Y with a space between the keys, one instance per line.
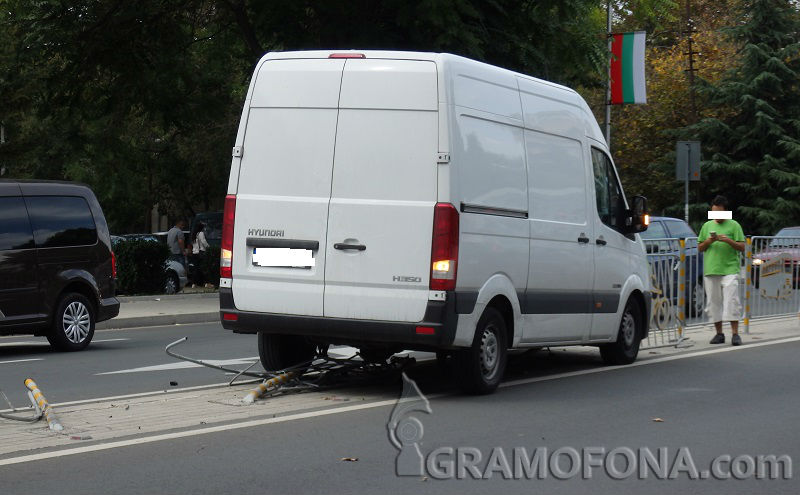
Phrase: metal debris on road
x=323 y=371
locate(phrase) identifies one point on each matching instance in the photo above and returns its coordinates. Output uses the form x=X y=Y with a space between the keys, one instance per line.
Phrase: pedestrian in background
x=176 y=243
x=721 y=241
x=199 y=248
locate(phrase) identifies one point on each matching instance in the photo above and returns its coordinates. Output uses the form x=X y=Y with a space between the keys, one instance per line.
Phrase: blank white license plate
x=286 y=257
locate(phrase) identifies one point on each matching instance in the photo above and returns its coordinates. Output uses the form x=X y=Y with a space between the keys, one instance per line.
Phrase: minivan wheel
x=73 y=323
x=626 y=347
x=696 y=300
x=172 y=285
x=279 y=352
x=480 y=368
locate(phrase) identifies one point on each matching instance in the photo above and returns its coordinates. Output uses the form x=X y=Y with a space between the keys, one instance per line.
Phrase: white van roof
x=462 y=65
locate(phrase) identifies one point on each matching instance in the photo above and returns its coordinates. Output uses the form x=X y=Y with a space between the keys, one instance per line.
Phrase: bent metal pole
x=49 y=413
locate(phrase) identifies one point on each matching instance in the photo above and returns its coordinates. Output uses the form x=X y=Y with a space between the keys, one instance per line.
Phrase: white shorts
x=722 y=297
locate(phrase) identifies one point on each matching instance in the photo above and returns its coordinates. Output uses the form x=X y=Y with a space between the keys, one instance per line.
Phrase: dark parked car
x=786 y=245
x=675 y=228
x=57 y=269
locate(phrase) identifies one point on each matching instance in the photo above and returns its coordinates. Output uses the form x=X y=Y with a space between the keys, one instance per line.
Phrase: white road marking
x=179 y=365
x=45 y=343
x=29 y=342
x=662 y=359
x=356 y=407
x=21 y=360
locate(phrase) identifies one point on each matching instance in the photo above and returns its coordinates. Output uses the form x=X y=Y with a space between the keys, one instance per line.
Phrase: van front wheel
x=279 y=352
x=480 y=368
x=626 y=348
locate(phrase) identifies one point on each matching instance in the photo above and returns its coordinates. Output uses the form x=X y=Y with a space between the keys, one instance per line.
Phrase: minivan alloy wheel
x=76 y=322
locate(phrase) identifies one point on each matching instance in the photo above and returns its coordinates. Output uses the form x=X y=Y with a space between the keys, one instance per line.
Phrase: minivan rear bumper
x=440 y=316
x=107 y=309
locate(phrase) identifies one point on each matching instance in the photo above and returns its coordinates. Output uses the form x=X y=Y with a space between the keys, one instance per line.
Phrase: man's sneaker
x=736 y=340
x=718 y=339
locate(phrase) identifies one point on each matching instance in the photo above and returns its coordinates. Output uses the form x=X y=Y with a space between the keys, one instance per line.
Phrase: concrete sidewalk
x=149 y=311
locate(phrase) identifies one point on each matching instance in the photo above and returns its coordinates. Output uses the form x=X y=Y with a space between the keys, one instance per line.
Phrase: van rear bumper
x=440 y=316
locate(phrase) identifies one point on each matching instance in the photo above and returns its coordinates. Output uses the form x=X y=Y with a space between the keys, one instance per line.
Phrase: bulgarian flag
x=627 y=68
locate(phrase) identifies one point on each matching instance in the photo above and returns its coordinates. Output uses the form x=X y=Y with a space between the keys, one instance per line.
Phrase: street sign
x=688 y=156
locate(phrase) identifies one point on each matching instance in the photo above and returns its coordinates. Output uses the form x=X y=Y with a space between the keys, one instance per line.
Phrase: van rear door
x=384 y=191
x=285 y=186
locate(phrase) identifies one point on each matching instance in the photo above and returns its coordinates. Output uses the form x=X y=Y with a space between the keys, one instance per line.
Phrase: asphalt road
x=732 y=403
x=120 y=362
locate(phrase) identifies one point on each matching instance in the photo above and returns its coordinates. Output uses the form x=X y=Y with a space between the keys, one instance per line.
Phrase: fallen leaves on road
x=658 y=420
x=349 y=459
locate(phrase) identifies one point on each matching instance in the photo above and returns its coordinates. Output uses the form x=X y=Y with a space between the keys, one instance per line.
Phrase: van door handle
x=601 y=242
x=358 y=247
x=583 y=239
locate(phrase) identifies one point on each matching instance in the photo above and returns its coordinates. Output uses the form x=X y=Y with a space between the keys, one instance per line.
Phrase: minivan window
x=15 y=228
x=60 y=221
x=610 y=202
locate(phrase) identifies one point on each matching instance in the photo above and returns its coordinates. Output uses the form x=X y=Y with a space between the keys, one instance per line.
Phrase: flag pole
x=608 y=92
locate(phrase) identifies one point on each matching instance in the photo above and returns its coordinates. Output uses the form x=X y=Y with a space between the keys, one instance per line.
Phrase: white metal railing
x=769 y=283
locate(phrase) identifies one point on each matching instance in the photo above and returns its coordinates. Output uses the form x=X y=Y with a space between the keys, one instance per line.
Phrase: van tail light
x=226 y=251
x=444 y=249
x=113 y=265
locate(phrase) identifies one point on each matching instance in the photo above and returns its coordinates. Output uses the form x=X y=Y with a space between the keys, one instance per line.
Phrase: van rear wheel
x=629 y=337
x=279 y=352
x=480 y=368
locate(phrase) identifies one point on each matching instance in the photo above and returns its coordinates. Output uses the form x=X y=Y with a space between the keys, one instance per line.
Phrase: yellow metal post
x=681 y=289
x=748 y=268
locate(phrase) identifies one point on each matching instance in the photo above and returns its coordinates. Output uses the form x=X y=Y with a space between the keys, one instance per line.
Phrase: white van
x=399 y=200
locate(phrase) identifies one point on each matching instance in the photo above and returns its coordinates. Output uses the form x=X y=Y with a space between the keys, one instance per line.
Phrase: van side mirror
x=637 y=219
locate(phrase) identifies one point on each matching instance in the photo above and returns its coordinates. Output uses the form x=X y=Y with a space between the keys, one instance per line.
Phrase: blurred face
x=181 y=224
x=718 y=208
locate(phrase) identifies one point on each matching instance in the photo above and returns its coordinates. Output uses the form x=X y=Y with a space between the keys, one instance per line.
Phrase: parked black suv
x=57 y=269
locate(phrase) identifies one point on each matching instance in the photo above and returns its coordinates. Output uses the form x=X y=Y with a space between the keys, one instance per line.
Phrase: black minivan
x=57 y=269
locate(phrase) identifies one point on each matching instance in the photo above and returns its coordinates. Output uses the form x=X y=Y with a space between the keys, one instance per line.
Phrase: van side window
x=610 y=202
x=60 y=221
x=15 y=228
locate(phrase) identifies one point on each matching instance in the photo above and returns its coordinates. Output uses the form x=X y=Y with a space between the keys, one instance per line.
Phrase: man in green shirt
x=721 y=241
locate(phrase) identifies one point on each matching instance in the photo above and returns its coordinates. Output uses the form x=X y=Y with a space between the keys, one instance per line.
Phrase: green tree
x=753 y=146
x=141 y=100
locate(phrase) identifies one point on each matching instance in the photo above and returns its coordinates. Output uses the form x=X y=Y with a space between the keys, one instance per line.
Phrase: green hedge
x=140 y=266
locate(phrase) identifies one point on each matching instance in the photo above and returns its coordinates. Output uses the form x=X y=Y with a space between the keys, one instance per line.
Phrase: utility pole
x=692 y=99
x=608 y=91
x=691 y=70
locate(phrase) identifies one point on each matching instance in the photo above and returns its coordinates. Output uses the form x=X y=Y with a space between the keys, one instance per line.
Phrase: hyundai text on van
x=423 y=201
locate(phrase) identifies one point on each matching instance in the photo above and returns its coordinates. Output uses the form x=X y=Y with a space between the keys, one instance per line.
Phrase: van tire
x=280 y=352
x=73 y=323
x=480 y=368
x=625 y=349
